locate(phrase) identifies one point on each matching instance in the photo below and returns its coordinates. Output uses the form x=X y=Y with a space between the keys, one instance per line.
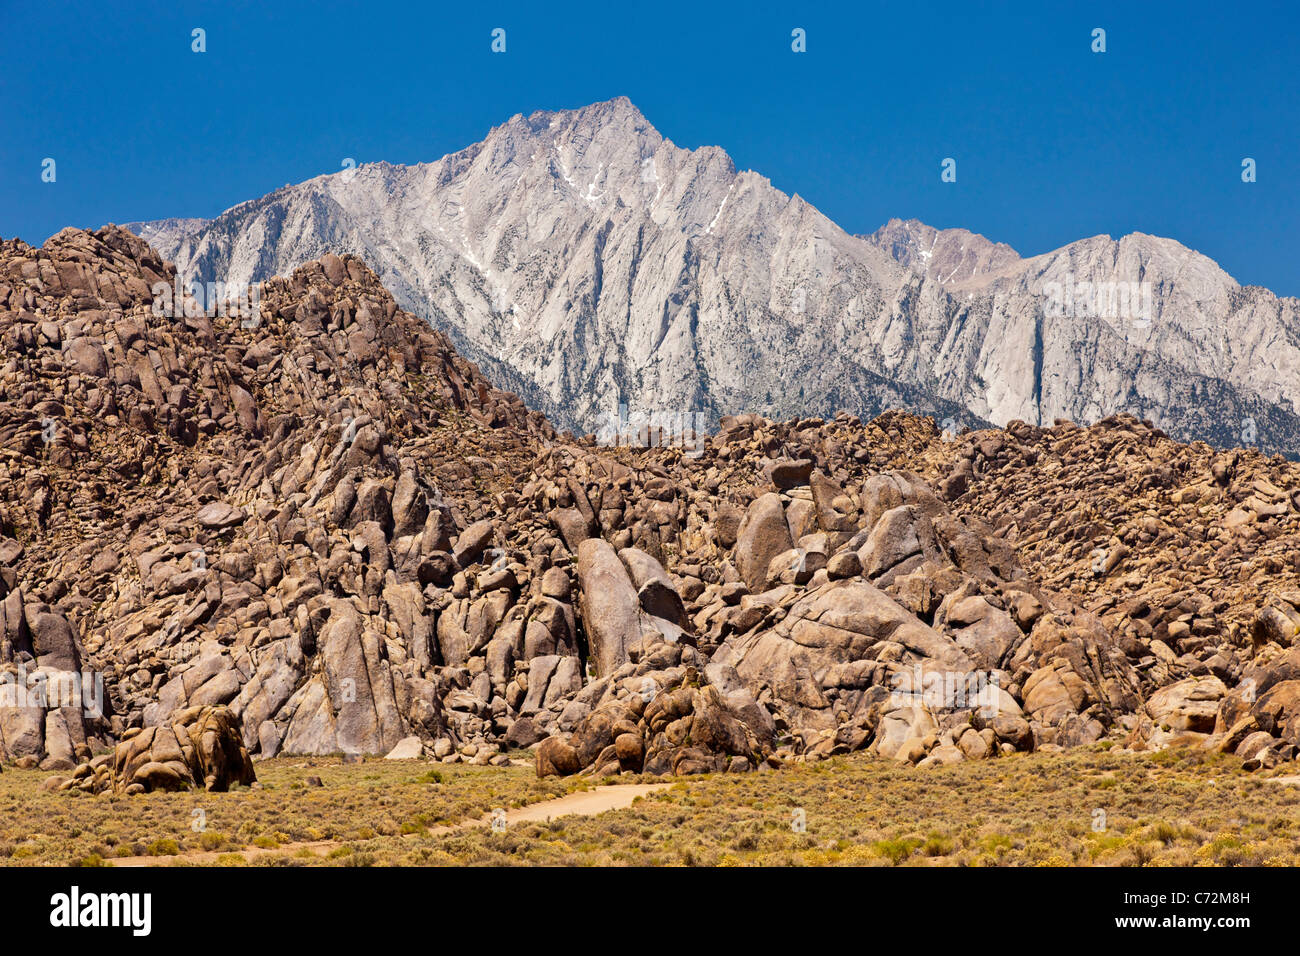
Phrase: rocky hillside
x=583 y=260
x=323 y=522
x=1213 y=360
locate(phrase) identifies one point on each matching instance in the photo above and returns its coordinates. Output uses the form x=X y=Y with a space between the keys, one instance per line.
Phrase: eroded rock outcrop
x=198 y=747
x=322 y=521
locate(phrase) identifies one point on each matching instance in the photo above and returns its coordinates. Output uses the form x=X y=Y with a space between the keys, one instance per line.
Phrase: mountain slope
x=584 y=260
x=166 y=235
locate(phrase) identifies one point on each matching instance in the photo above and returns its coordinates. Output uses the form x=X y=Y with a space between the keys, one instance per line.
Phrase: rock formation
x=318 y=529
x=195 y=747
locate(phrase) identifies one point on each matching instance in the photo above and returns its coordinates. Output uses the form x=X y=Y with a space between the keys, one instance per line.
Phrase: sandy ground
x=587 y=803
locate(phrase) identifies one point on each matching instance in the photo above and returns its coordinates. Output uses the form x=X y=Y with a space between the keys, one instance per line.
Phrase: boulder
x=199 y=747
x=762 y=535
x=408 y=748
x=609 y=605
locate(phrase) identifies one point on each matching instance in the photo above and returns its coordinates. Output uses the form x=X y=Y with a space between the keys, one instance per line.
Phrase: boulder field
x=313 y=528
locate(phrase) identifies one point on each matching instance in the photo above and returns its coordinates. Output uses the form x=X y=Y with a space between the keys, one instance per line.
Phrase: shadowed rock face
x=584 y=260
x=323 y=528
x=198 y=747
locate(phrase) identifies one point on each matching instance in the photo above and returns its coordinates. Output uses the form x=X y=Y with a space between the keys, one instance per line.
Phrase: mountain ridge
x=510 y=246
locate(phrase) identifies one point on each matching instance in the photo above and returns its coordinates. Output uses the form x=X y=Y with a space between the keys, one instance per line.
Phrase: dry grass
x=1172 y=809
x=1179 y=809
x=357 y=802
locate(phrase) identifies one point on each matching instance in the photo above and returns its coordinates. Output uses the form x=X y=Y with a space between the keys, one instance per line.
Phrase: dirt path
x=586 y=803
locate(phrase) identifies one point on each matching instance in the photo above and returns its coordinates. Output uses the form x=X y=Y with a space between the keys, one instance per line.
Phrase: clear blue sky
x=1053 y=142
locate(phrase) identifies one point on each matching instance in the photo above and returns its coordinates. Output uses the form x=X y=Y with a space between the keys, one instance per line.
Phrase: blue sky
x=1053 y=142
